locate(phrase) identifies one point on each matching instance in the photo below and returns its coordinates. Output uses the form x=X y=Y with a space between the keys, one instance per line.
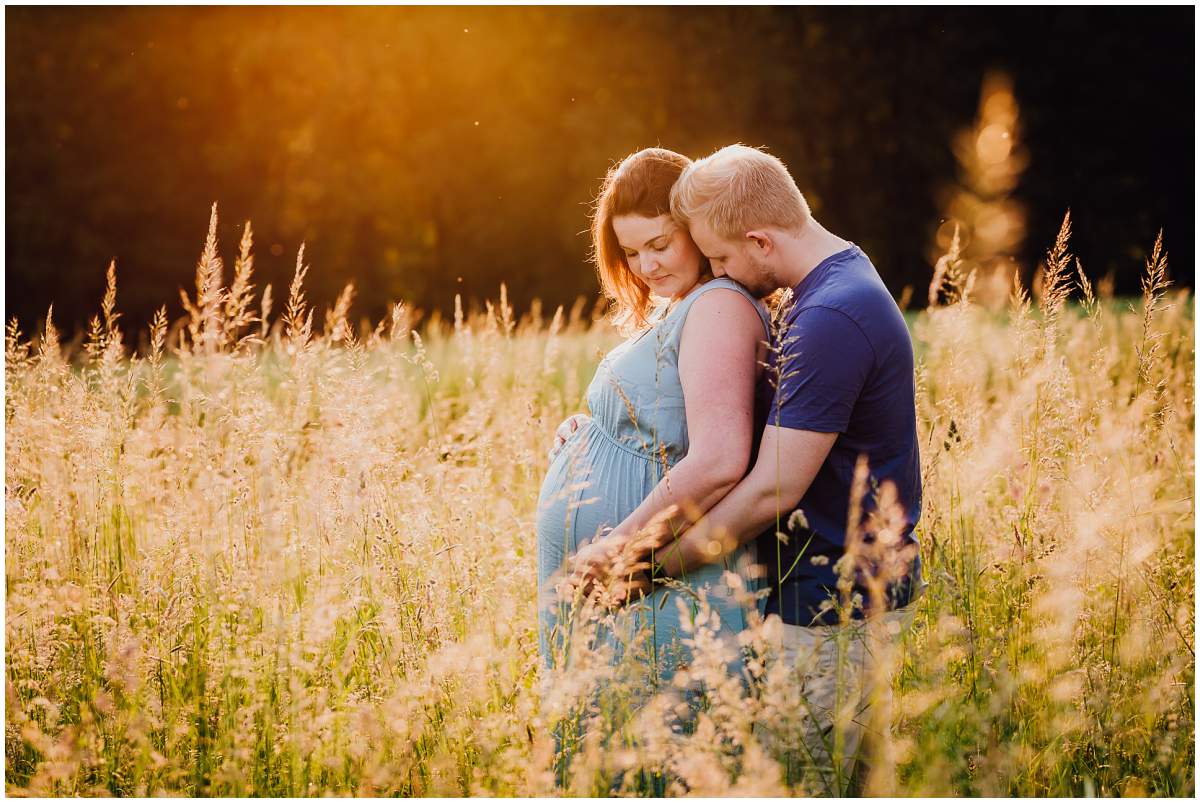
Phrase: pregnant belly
x=595 y=484
x=591 y=485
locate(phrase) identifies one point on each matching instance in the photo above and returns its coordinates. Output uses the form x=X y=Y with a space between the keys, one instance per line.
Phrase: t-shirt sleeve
x=824 y=360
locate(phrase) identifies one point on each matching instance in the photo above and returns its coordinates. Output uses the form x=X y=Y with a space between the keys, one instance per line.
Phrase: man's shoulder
x=851 y=305
x=853 y=288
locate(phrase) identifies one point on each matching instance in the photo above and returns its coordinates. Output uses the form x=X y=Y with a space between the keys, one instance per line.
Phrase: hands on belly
x=565 y=430
x=615 y=567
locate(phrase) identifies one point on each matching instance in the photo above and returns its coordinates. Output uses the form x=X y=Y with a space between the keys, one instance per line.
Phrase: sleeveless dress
x=608 y=467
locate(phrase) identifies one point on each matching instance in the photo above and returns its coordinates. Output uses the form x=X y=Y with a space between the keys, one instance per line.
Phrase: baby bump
x=592 y=487
x=589 y=487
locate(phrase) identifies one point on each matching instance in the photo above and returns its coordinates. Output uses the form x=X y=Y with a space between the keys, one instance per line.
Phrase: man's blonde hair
x=739 y=189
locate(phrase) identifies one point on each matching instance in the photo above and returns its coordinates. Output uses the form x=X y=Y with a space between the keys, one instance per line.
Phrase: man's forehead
x=704 y=236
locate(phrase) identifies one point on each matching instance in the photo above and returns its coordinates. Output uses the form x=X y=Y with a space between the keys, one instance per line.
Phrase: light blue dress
x=608 y=467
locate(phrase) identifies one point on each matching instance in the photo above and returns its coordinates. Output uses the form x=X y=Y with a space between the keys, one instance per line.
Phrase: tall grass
x=259 y=559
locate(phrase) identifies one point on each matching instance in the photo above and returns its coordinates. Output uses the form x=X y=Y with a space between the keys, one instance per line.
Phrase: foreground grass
x=282 y=563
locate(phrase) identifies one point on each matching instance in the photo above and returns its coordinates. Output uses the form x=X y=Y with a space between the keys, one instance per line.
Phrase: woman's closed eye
x=656 y=248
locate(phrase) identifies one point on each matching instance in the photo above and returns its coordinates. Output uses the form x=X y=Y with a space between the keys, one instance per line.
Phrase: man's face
x=739 y=261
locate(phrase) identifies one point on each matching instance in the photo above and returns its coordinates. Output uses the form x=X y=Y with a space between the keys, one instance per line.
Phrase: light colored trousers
x=838 y=669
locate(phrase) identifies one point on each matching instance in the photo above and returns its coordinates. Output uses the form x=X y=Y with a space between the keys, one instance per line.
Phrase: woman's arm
x=788 y=460
x=718 y=363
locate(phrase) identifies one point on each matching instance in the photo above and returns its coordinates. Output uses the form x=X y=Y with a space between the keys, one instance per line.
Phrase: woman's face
x=660 y=253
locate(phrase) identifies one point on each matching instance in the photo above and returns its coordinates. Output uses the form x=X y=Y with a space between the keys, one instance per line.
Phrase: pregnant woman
x=672 y=408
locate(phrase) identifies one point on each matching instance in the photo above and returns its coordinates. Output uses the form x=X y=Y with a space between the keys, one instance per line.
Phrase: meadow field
x=264 y=556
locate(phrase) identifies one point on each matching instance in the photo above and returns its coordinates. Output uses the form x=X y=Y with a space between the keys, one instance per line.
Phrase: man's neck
x=801 y=252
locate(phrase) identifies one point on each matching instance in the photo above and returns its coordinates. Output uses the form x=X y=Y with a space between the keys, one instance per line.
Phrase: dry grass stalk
x=305 y=567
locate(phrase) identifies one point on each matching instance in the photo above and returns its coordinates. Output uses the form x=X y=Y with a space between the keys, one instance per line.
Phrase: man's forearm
x=788 y=460
x=744 y=513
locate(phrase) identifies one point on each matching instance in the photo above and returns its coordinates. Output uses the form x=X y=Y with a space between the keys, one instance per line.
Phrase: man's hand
x=614 y=567
x=564 y=431
x=609 y=568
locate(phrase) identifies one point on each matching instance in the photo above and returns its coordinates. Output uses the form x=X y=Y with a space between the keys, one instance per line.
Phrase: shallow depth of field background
x=274 y=537
x=424 y=153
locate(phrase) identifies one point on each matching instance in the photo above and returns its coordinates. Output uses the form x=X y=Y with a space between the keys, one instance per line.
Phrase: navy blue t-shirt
x=842 y=362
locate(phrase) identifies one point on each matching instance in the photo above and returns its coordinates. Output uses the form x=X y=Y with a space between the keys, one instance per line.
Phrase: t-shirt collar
x=821 y=267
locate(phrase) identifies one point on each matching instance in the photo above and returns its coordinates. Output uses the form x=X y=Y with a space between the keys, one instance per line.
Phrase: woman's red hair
x=639 y=185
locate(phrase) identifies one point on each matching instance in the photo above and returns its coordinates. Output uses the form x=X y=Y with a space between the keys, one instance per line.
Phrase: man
x=835 y=491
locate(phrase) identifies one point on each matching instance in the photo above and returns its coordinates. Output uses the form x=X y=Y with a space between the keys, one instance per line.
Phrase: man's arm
x=824 y=363
x=788 y=460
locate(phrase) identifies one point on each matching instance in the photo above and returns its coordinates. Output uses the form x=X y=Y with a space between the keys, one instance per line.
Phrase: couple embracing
x=723 y=437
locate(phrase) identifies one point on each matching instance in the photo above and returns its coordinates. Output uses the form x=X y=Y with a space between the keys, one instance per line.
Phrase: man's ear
x=762 y=241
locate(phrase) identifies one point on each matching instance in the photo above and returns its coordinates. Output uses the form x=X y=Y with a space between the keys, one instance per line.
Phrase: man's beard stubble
x=761 y=283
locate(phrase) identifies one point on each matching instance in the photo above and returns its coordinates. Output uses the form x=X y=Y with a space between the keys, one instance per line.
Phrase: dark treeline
x=423 y=152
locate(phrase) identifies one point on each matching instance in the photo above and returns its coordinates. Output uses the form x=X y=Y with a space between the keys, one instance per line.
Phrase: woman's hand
x=613 y=567
x=564 y=431
x=593 y=564
x=610 y=567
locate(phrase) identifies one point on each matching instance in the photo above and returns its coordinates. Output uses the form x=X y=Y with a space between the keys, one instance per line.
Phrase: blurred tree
x=424 y=152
